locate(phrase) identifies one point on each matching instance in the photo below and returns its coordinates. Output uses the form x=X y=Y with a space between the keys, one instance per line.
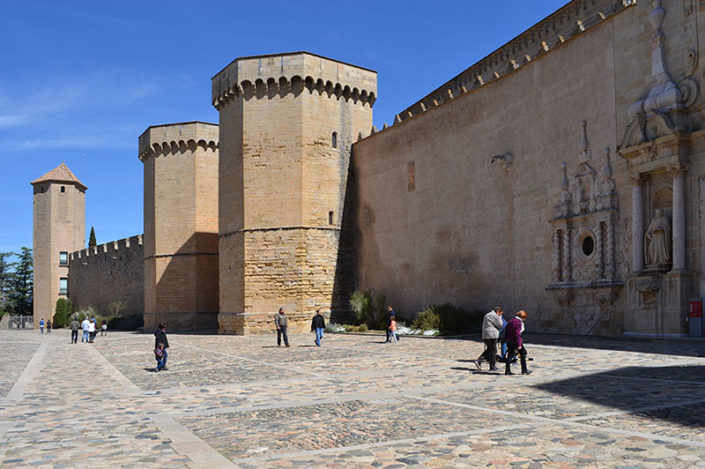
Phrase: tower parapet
x=281 y=74
x=287 y=124
x=180 y=225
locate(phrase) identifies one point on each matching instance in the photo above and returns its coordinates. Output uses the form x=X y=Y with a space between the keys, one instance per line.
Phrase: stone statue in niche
x=657 y=241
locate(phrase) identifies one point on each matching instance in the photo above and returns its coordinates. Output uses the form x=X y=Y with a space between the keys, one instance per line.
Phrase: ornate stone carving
x=584 y=271
x=648 y=287
x=659 y=110
x=657 y=242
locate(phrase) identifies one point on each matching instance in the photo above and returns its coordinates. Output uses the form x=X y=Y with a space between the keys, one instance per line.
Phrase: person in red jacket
x=515 y=327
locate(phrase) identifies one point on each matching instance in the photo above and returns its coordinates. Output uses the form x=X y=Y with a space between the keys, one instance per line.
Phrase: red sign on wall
x=696 y=309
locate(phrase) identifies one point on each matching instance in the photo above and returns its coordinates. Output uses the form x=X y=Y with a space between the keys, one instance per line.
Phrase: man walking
x=280 y=322
x=318 y=324
x=390 y=314
x=74 y=325
x=515 y=343
x=491 y=324
x=85 y=325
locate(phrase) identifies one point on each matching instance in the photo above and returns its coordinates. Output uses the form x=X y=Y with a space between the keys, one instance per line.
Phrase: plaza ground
x=230 y=401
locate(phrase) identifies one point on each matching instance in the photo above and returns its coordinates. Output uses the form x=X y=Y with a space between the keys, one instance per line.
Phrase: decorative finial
x=606 y=171
x=565 y=183
x=585 y=154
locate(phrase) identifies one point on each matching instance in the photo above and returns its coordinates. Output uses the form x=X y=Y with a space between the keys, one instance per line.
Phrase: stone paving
x=230 y=401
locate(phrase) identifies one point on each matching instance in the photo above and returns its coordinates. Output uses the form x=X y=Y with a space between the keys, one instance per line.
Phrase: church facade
x=563 y=174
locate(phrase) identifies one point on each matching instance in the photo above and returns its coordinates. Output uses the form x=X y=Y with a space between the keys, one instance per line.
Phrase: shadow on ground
x=673 y=389
x=684 y=347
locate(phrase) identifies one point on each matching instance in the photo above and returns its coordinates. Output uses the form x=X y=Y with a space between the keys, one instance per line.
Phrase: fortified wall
x=287 y=123
x=535 y=180
x=180 y=225
x=108 y=277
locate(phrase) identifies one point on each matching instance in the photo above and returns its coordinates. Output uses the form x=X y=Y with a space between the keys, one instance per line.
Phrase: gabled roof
x=61 y=173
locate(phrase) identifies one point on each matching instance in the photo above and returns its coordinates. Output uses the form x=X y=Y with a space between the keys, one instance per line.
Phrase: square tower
x=59 y=229
x=180 y=225
x=287 y=124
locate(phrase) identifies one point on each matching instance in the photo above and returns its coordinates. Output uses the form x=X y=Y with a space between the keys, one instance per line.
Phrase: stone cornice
x=279 y=75
x=569 y=21
x=296 y=85
x=174 y=138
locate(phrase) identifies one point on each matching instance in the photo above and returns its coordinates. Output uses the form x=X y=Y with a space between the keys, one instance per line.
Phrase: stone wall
x=287 y=125
x=456 y=203
x=181 y=225
x=109 y=273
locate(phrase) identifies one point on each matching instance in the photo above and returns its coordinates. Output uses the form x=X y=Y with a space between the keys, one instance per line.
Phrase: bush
x=62 y=313
x=427 y=320
x=449 y=320
x=369 y=310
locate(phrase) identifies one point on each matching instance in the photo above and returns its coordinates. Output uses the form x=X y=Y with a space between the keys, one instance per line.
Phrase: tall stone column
x=566 y=255
x=610 y=268
x=637 y=225
x=679 y=257
x=556 y=259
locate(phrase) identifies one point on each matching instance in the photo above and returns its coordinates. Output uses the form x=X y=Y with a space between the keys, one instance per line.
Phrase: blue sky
x=81 y=80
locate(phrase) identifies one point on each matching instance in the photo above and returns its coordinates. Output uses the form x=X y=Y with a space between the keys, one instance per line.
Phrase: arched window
x=334 y=140
x=330 y=218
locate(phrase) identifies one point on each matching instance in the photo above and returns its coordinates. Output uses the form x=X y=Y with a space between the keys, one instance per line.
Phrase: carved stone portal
x=584 y=273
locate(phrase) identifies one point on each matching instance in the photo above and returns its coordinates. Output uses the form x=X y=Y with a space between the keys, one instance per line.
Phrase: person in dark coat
x=515 y=343
x=318 y=324
x=160 y=338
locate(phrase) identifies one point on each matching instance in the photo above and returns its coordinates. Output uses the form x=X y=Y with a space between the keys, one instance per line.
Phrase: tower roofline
x=61 y=173
x=284 y=54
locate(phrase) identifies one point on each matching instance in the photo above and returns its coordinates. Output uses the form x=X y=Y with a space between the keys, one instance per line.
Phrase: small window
x=63 y=285
x=334 y=140
x=588 y=246
x=63 y=258
x=63 y=189
x=330 y=218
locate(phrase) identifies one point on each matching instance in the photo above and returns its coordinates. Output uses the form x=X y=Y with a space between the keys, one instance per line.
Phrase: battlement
x=112 y=248
x=173 y=138
x=281 y=74
x=573 y=19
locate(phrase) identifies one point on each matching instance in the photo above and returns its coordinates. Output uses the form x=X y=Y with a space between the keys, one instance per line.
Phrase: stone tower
x=180 y=225
x=59 y=229
x=287 y=124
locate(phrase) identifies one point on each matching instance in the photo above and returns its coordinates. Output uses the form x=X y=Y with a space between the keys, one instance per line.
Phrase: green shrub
x=62 y=313
x=449 y=320
x=353 y=328
x=427 y=320
x=369 y=310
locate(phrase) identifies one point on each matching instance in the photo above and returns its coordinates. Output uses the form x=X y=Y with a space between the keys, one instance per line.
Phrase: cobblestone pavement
x=229 y=401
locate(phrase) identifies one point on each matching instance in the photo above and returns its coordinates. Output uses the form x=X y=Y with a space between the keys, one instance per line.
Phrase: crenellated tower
x=59 y=229
x=180 y=225
x=287 y=124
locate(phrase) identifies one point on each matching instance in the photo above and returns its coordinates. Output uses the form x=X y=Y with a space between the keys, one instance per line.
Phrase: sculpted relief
x=657 y=241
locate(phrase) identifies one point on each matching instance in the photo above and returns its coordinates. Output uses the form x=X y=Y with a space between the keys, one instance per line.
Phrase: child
x=393 y=329
x=104 y=328
x=159 y=356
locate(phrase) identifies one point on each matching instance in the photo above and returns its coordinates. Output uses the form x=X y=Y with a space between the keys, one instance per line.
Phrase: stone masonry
x=287 y=123
x=109 y=278
x=180 y=225
x=59 y=229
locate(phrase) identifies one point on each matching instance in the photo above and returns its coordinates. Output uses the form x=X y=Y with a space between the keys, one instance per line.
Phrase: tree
x=91 y=239
x=63 y=311
x=5 y=277
x=21 y=295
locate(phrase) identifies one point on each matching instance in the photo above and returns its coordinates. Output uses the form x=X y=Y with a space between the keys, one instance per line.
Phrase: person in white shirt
x=91 y=330
x=85 y=326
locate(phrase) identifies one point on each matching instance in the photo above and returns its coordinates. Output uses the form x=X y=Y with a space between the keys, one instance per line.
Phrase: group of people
x=41 y=326
x=89 y=328
x=281 y=323
x=495 y=328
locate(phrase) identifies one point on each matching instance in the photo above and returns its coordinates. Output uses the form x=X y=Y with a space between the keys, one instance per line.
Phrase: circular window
x=588 y=245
